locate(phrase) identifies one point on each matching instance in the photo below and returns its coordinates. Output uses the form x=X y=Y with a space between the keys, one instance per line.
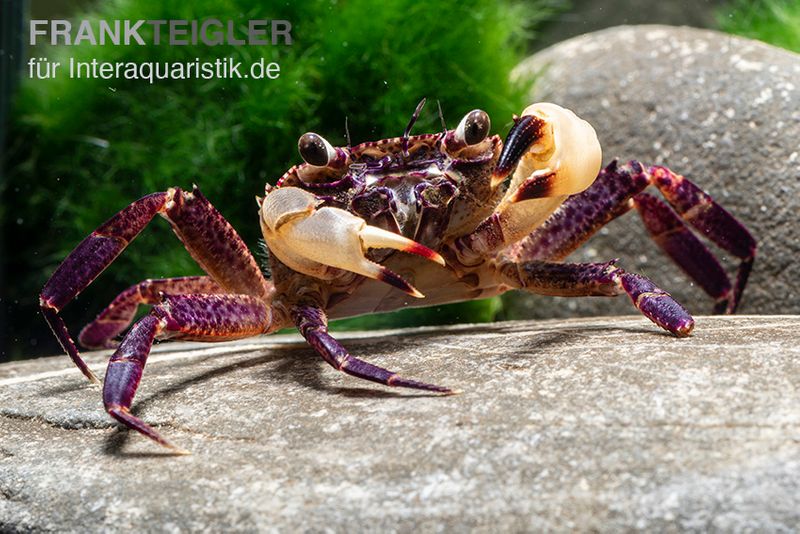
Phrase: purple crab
x=409 y=221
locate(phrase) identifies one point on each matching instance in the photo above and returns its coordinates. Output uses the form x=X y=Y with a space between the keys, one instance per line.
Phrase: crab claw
x=310 y=240
x=551 y=152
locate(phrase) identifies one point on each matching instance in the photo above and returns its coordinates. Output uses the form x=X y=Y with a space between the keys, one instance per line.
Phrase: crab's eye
x=315 y=150
x=474 y=127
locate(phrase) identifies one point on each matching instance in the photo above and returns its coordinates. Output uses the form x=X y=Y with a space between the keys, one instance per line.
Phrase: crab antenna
x=414 y=118
x=347 y=132
x=441 y=115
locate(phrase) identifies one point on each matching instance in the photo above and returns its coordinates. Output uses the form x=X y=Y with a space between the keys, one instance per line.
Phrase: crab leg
x=208 y=237
x=599 y=279
x=87 y=261
x=676 y=239
x=194 y=317
x=618 y=189
x=118 y=315
x=712 y=220
x=313 y=325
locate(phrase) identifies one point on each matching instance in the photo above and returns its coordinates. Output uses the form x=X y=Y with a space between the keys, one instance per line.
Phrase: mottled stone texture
x=604 y=424
x=722 y=110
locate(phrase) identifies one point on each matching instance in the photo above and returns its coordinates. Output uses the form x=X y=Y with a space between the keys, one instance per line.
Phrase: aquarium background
x=76 y=151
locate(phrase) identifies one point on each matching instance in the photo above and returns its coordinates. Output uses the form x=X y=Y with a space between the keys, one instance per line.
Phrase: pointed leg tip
x=681 y=328
x=397 y=381
x=387 y=276
x=177 y=451
x=92 y=377
x=124 y=416
x=373 y=237
x=436 y=257
x=425 y=252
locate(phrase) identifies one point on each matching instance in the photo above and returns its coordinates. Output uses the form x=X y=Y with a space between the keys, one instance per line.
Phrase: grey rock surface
x=588 y=424
x=721 y=110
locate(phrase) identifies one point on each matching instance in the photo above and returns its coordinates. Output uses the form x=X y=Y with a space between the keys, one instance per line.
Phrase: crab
x=407 y=221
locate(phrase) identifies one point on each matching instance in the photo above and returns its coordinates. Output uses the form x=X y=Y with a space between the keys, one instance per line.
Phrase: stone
x=722 y=110
x=585 y=424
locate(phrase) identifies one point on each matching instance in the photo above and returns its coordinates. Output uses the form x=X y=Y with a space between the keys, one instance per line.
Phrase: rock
x=586 y=424
x=722 y=110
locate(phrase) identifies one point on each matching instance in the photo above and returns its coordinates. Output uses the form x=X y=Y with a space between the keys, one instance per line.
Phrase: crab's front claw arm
x=312 y=239
x=548 y=140
x=549 y=154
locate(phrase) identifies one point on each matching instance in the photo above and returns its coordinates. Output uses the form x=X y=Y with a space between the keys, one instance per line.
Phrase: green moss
x=82 y=149
x=773 y=21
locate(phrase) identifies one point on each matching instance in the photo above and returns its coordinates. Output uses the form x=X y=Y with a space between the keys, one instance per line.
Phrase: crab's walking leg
x=617 y=190
x=712 y=220
x=675 y=238
x=313 y=325
x=195 y=317
x=599 y=279
x=208 y=237
x=118 y=315
x=87 y=261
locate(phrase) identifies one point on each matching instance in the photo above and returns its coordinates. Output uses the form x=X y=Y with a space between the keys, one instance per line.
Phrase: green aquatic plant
x=81 y=149
x=773 y=21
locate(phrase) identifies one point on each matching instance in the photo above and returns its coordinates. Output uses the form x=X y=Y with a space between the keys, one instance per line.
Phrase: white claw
x=569 y=146
x=563 y=161
x=310 y=240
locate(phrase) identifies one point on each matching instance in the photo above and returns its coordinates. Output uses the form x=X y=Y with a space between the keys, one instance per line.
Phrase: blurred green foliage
x=81 y=149
x=773 y=21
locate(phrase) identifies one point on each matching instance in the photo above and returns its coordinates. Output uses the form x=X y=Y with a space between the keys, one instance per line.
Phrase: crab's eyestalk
x=315 y=150
x=548 y=140
x=312 y=239
x=472 y=129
